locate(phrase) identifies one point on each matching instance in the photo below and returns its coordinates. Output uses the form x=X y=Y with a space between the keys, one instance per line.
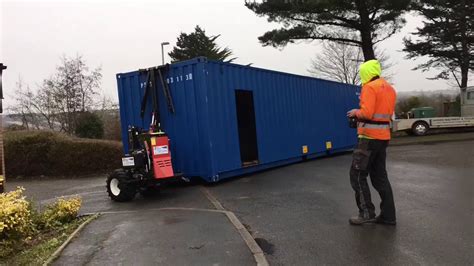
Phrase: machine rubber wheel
x=118 y=189
x=420 y=128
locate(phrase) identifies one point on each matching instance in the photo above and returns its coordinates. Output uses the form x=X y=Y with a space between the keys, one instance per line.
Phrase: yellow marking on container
x=153 y=141
x=328 y=145
x=305 y=149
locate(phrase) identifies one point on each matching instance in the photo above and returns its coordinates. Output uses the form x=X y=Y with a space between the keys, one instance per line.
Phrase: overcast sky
x=122 y=36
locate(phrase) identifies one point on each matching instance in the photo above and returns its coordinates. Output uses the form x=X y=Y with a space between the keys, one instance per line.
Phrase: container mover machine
x=214 y=120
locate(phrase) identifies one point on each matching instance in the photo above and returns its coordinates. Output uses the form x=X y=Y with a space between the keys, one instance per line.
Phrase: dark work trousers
x=369 y=159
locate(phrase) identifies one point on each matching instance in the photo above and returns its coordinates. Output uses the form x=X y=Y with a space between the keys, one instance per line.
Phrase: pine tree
x=370 y=21
x=446 y=38
x=197 y=44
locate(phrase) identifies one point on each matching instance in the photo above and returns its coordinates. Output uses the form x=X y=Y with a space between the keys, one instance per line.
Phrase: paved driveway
x=298 y=214
x=178 y=227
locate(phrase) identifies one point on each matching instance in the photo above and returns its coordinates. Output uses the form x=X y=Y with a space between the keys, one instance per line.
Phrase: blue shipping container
x=231 y=119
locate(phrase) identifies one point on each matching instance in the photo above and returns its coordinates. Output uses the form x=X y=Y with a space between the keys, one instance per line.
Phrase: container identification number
x=171 y=80
x=179 y=78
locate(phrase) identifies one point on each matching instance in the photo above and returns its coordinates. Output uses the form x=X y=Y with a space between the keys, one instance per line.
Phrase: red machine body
x=161 y=156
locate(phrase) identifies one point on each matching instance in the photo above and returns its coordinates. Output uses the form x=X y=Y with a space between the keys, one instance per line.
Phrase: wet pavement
x=95 y=199
x=298 y=214
x=179 y=226
x=162 y=237
x=303 y=210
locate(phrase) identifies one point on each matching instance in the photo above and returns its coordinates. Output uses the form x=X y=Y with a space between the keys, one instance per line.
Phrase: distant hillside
x=448 y=93
x=110 y=118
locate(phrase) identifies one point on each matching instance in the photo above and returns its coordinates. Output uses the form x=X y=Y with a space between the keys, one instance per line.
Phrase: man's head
x=368 y=70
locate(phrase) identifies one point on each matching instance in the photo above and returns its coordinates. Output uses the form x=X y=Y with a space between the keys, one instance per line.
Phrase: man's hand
x=352 y=113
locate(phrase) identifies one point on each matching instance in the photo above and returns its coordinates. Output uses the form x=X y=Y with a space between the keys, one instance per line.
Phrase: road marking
x=157 y=209
x=244 y=233
x=212 y=199
x=88 y=193
x=44 y=201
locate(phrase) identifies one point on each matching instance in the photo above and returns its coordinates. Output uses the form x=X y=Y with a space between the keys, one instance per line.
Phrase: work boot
x=380 y=220
x=358 y=220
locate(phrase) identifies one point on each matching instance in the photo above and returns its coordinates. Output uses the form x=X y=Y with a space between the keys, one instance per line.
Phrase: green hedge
x=35 y=153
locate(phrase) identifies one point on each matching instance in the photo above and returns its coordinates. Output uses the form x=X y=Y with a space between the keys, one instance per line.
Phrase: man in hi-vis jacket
x=377 y=104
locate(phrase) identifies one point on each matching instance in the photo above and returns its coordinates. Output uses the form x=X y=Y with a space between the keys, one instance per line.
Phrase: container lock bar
x=166 y=92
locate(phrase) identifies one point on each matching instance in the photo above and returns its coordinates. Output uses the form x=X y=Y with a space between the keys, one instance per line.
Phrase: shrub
x=89 y=125
x=21 y=225
x=84 y=157
x=15 y=127
x=61 y=212
x=37 y=153
x=26 y=152
x=15 y=217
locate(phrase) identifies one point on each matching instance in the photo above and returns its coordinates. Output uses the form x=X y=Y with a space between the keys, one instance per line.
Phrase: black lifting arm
x=166 y=91
x=150 y=91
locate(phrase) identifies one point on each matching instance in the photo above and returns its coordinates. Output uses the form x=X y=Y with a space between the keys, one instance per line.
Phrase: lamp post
x=163 y=52
x=2 y=162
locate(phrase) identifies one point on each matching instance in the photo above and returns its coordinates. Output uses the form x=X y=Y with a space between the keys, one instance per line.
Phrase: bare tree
x=24 y=108
x=73 y=89
x=37 y=110
x=340 y=62
x=78 y=83
x=45 y=107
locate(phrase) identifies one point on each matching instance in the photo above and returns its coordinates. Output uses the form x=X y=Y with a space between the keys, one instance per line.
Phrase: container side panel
x=222 y=117
x=187 y=127
x=291 y=112
x=130 y=91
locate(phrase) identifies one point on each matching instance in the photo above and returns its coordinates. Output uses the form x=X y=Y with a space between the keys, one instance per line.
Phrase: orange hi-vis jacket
x=377 y=103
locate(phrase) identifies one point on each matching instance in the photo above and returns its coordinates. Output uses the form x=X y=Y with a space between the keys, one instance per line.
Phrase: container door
x=247 y=128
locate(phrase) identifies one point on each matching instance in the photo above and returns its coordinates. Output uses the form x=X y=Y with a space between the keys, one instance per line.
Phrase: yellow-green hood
x=369 y=70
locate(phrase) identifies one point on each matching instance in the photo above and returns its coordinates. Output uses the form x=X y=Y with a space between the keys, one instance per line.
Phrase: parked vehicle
x=420 y=120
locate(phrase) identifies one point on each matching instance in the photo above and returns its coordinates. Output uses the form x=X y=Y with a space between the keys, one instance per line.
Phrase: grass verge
x=43 y=245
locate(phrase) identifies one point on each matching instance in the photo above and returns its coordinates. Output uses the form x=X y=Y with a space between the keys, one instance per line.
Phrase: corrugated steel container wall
x=290 y=111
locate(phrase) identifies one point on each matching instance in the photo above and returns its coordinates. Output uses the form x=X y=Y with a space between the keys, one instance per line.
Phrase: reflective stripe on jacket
x=377 y=103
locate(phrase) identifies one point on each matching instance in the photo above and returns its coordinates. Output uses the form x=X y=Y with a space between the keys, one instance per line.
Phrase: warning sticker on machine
x=157 y=150
x=128 y=161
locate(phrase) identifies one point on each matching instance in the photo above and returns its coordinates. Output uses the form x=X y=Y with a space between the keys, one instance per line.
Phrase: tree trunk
x=367 y=46
x=365 y=31
x=464 y=75
x=464 y=46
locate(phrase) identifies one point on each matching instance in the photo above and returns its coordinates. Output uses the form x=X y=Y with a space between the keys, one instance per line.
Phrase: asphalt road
x=298 y=214
x=301 y=212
